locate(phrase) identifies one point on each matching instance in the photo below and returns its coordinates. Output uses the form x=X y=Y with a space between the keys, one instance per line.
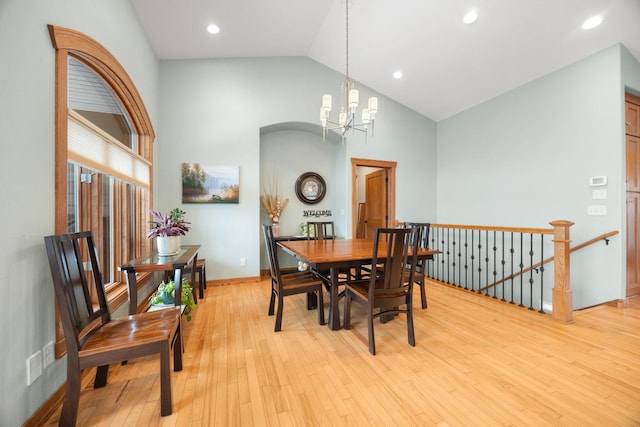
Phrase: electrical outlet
x=34 y=367
x=243 y=262
x=47 y=354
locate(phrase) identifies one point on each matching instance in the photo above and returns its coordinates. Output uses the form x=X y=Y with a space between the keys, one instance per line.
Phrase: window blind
x=89 y=146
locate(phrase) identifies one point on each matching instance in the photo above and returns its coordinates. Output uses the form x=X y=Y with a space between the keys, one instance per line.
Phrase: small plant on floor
x=165 y=295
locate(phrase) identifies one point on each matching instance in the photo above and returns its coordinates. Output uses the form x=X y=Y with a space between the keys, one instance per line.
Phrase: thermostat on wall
x=596 y=181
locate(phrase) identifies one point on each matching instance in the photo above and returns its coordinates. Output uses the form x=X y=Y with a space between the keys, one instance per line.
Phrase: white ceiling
x=448 y=66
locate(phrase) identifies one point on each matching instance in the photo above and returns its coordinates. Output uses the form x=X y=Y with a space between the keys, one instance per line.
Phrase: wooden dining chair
x=201 y=271
x=321 y=230
x=390 y=291
x=421 y=268
x=92 y=337
x=282 y=285
x=325 y=230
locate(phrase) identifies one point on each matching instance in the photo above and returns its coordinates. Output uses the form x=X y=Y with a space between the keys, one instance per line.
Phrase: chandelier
x=347 y=117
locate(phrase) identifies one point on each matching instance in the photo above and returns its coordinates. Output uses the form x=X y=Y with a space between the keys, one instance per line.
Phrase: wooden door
x=633 y=163
x=633 y=243
x=632 y=122
x=376 y=193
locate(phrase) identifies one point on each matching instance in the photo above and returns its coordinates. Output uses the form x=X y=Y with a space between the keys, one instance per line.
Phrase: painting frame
x=210 y=184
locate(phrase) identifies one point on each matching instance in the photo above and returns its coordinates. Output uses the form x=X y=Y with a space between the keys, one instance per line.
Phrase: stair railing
x=508 y=263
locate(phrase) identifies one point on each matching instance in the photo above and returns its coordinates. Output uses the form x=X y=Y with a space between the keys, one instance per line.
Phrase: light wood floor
x=477 y=362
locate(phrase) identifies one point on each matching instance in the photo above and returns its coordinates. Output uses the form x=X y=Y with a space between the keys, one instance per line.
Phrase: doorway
x=382 y=192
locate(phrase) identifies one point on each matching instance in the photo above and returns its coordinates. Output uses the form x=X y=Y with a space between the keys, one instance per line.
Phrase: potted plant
x=166 y=292
x=167 y=229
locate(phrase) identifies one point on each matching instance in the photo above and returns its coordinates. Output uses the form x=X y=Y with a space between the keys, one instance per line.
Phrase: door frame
x=391 y=199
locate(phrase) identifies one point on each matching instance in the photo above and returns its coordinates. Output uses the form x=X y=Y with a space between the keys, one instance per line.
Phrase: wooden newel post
x=562 y=296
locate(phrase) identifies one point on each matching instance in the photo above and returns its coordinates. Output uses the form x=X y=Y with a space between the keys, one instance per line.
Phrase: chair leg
x=177 y=350
x=279 y=314
x=204 y=275
x=101 y=376
x=347 y=311
x=165 y=380
x=201 y=281
x=320 y=307
x=423 y=292
x=69 y=414
x=372 y=339
x=272 y=301
x=412 y=337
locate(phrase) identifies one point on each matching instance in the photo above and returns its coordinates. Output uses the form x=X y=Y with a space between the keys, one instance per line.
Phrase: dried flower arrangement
x=273 y=203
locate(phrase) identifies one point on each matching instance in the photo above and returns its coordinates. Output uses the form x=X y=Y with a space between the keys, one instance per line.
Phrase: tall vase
x=168 y=245
x=276 y=230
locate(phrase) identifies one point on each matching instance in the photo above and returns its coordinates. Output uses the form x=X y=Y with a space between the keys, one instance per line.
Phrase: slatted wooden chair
x=320 y=230
x=283 y=285
x=421 y=268
x=201 y=271
x=390 y=291
x=92 y=337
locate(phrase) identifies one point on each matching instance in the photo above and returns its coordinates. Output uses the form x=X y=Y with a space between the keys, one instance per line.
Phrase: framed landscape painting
x=210 y=184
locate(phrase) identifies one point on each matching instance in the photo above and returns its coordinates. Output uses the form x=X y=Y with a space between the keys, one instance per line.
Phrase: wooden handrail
x=494 y=228
x=604 y=236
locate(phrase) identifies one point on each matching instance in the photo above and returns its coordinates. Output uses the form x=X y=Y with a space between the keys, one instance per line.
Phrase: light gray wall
x=213 y=110
x=26 y=170
x=524 y=159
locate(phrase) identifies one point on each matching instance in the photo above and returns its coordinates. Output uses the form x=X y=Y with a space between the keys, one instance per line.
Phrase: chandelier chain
x=347 y=36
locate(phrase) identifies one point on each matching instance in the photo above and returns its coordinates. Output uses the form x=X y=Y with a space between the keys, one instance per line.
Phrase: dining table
x=336 y=255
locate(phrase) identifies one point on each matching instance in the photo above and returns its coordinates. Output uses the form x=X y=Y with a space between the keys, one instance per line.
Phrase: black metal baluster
x=472 y=259
x=503 y=263
x=448 y=264
x=521 y=268
x=466 y=259
x=541 y=273
x=495 y=266
x=486 y=262
x=453 y=263
x=512 y=250
x=531 y=273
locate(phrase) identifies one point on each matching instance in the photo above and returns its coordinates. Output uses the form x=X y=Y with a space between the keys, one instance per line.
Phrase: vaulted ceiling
x=447 y=66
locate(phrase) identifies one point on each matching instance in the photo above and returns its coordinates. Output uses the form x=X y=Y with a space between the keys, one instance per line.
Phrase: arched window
x=103 y=156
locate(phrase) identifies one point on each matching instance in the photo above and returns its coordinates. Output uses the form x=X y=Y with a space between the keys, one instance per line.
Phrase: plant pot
x=168 y=245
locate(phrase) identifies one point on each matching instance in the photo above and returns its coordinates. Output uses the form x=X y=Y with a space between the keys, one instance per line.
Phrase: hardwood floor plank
x=477 y=361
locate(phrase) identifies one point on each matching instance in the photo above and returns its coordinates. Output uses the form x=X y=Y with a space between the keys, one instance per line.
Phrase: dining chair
x=201 y=271
x=390 y=291
x=282 y=285
x=421 y=271
x=92 y=337
x=325 y=230
x=321 y=230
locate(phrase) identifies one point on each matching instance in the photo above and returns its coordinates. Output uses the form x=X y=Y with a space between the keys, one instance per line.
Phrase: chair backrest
x=321 y=230
x=424 y=232
x=399 y=258
x=77 y=291
x=272 y=253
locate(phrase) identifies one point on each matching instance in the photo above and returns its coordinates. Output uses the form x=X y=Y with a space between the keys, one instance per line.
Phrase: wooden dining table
x=334 y=255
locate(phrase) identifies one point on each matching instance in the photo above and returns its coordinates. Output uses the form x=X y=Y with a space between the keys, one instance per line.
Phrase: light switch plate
x=600 y=194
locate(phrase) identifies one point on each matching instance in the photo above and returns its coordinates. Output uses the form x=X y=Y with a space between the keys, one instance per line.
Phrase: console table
x=187 y=255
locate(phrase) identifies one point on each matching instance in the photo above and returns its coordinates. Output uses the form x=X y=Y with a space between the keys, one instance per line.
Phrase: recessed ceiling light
x=213 y=29
x=470 y=17
x=592 y=22
x=397 y=75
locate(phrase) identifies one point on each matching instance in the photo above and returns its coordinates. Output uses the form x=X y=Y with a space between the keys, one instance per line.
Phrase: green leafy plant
x=165 y=295
x=170 y=224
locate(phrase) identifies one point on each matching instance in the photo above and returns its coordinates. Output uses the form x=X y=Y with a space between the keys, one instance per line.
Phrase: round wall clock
x=310 y=188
